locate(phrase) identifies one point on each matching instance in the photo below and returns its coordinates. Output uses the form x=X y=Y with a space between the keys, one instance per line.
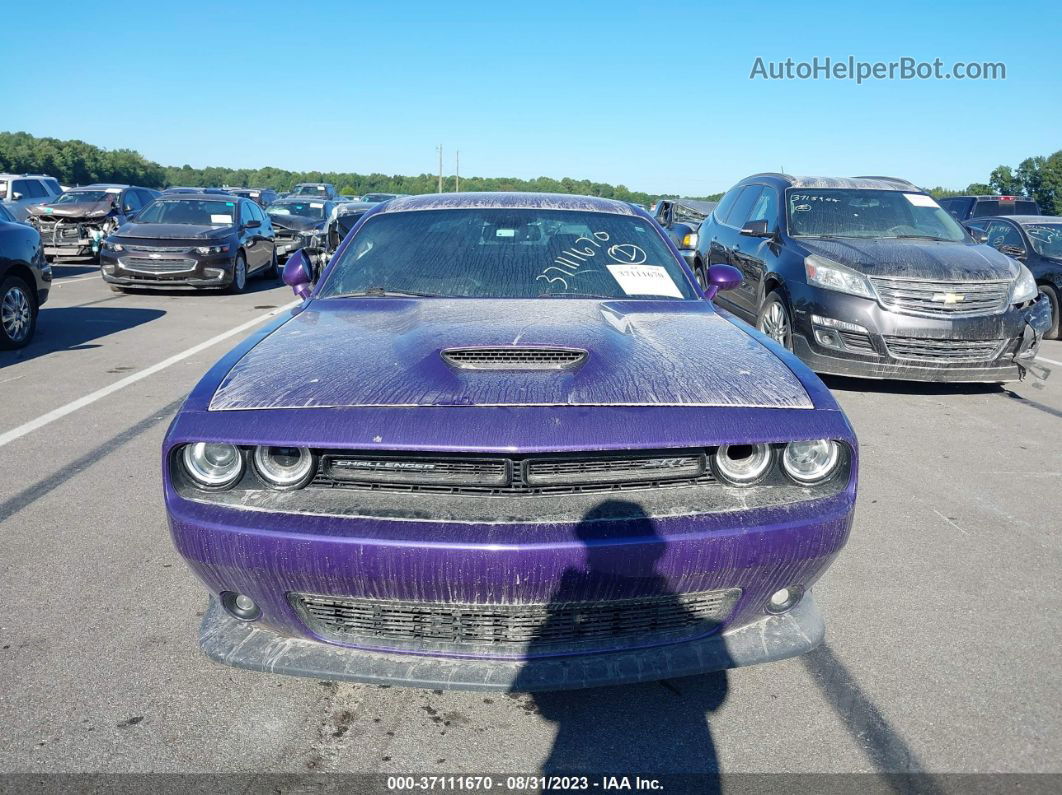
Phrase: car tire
x=274 y=271
x=116 y=288
x=776 y=321
x=239 y=274
x=701 y=275
x=18 y=313
x=1052 y=296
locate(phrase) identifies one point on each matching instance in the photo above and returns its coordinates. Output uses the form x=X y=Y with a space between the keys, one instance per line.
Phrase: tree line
x=1039 y=177
x=78 y=163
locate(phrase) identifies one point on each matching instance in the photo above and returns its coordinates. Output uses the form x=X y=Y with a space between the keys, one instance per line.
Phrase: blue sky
x=655 y=96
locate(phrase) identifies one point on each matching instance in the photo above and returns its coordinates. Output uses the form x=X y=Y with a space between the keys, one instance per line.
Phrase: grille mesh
x=916 y=297
x=554 y=624
x=943 y=350
x=857 y=341
x=162 y=265
x=513 y=358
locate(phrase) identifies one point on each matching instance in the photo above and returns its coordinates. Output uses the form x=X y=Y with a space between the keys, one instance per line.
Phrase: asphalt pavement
x=943 y=610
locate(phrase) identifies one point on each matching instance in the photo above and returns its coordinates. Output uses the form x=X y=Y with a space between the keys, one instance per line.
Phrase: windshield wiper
x=573 y=295
x=385 y=292
x=920 y=237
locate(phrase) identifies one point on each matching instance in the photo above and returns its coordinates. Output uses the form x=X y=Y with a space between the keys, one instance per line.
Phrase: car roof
x=1019 y=219
x=506 y=200
x=1014 y=196
x=209 y=196
x=99 y=185
x=31 y=176
x=851 y=183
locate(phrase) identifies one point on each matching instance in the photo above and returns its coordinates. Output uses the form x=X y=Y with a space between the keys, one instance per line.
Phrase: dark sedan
x=191 y=240
x=1036 y=241
x=25 y=281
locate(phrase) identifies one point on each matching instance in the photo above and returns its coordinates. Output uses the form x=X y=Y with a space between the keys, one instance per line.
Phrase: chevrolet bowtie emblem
x=947 y=298
x=159 y=256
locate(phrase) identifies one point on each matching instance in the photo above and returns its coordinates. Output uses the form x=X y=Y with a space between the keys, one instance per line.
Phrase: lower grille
x=857 y=342
x=942 y=350
x=514 y=626
x=161 y=265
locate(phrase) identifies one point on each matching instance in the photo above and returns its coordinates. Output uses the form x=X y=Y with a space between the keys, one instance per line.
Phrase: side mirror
x=722 y=277
x=980 y=237
x=16 y=196
x=1017 y=252
x=252 y=224
x=298 y=274
x=755 y=229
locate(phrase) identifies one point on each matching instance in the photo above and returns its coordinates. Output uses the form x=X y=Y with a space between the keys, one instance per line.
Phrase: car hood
x=916 y=259
x=387 y=352
x=297 y=222
x=71 y=209
x=174 y=231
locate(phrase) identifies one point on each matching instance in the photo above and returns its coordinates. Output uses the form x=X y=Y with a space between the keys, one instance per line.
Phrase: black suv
x=868 y=276
x=963 y=208
x=25 y=280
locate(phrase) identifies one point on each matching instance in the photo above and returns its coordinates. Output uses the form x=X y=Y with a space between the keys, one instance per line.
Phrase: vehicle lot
x=942 y=610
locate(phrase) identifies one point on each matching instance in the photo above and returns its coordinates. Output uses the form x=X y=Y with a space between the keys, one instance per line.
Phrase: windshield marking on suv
x=867 y=213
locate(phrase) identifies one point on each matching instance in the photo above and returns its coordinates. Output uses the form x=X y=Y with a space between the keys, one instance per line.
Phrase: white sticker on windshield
x=318 y=205
x=505 y=233
x=112 y=190
x=644 y=280
x=220 y=219
x=921 y=200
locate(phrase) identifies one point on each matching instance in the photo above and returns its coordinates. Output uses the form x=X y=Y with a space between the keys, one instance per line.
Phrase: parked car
x=342 y=219
x=870 y=277
x=19 y=192
x=681 y=218
x=376 y=198
x=25 y=280
x=177 y=189
x=1035 y=241
x=263 y=197
x=963 y=208
x=300 y=222
x=191 y=241
x=77 y=221
x=321 y=190
x=463 y=462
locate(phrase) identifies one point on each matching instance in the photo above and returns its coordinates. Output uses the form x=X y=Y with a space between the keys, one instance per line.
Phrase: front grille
x=280 y=233
x=57 y=233
x=942 y=350
x=161 y=265
x=157 y=249
x=571 y=474
x=941 y=298
x=511 y=627
x=514 y=358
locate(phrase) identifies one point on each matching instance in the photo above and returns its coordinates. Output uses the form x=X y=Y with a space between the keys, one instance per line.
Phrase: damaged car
x=342 y=219
x=186 y=241
x=870 y=277
x=482 y=453
x=75 y=224
x=300 y=222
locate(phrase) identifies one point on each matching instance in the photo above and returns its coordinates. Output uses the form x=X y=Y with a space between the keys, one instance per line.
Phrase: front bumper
x=771 y=638
x=270 y=556
x=988 y=349
x=171 y=270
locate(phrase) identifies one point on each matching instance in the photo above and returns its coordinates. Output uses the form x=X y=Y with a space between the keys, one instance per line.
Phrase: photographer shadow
x=649 y=728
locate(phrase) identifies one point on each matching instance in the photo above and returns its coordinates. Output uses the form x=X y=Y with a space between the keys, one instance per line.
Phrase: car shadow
x=63 y=270
x=660 y=727
x=76 y=328
x=838 y=383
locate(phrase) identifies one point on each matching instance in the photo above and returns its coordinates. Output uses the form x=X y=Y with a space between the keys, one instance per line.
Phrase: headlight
x=825 y=273
x=811 y=462
x=213 y=466
x=690 y=240
x=742 y=464
x=108 y=246
x=208 y=250
x=1024 y=288
x=284 y=467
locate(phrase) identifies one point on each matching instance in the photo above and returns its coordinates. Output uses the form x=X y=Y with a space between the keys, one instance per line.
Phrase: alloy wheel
x=239 y=274
x=775 y=324
x=16 y=314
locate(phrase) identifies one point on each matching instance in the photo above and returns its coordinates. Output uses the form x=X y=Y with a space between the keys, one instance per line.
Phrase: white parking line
x=59 y=281
x=92 y=397
x=1049 y=361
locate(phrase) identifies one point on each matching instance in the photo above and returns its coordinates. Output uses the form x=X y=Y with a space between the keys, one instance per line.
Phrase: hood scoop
x=511 y=357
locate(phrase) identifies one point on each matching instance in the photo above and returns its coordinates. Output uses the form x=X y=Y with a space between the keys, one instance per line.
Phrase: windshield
x=843 y=212
x=195 y=212
x=507 y=253
x=1046 y=239
x=85 y=197
x=314 y=210
x=376 y=198
x=310 y=190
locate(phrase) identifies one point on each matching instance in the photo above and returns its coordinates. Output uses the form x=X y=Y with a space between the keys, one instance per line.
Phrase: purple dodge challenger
x=507 y=443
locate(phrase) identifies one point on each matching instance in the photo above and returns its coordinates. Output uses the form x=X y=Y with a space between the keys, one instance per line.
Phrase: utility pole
x=457 y=171
x=440 y=168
